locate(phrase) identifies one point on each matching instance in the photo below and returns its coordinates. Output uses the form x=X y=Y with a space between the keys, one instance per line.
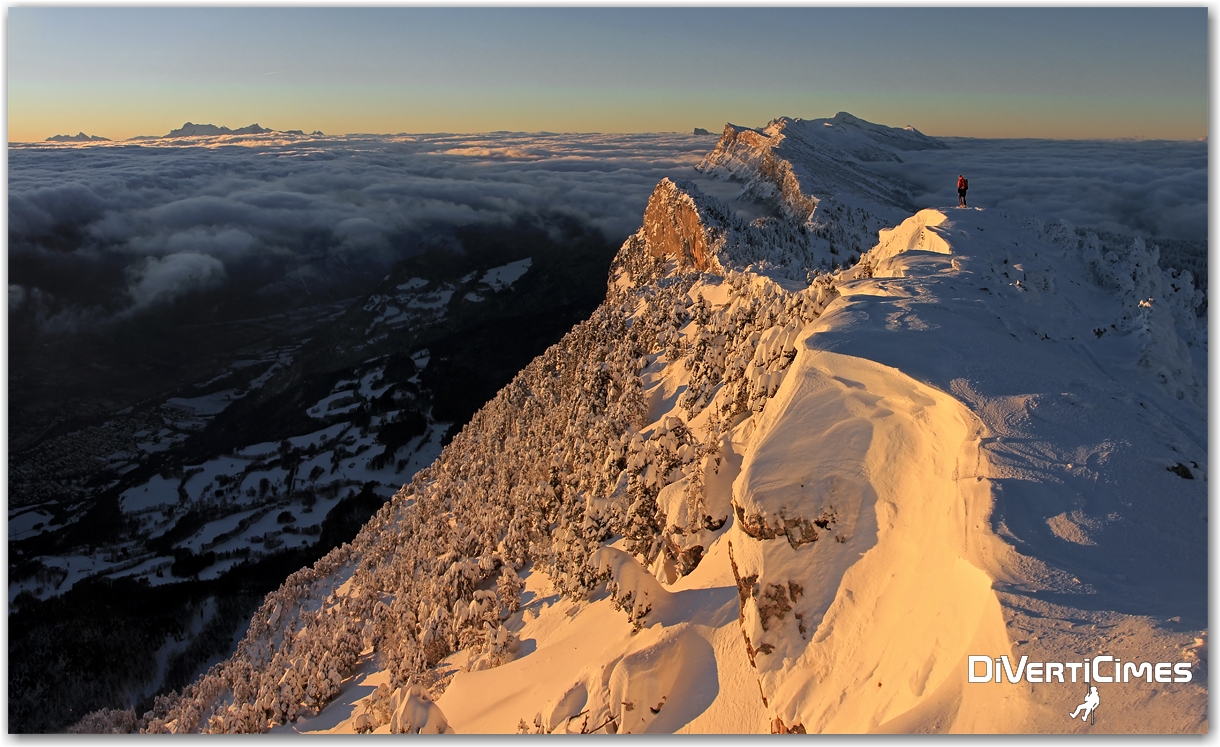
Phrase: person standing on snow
x=963 y=184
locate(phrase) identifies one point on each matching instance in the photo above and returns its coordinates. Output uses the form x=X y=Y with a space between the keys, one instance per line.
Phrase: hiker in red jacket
x=962 y=185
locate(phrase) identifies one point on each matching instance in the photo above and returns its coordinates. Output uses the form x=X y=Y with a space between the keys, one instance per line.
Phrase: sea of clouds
x=124 y=228
x=1152 y=188
x=115 y=230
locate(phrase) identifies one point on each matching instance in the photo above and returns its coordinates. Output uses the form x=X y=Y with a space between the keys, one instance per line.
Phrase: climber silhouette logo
x=1091 y=701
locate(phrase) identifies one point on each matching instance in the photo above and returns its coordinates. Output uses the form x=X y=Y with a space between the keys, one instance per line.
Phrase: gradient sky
x=982 y=72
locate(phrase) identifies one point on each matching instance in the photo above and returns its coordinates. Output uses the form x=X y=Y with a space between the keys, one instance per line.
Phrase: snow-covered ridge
x=750 y=156
x=924 y=427
x=800 y=162
x=814 y=174
x=751 y=495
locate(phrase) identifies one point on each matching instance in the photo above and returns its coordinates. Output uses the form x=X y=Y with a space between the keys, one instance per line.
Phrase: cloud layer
x=162 y=219
x=1157 y=188
x=160 y=279
x=107 y=231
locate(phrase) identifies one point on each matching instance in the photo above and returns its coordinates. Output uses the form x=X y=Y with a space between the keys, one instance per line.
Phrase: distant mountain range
x=79 y=137
x=190 y=129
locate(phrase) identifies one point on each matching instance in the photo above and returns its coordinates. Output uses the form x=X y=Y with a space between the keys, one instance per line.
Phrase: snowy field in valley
x=262 y=496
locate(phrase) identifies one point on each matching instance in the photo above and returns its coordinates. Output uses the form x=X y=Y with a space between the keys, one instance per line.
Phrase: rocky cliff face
x=750 y=155
x=685 y=229
x=679 y=224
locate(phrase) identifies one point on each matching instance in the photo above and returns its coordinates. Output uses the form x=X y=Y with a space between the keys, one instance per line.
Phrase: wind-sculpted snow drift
x=748 y=494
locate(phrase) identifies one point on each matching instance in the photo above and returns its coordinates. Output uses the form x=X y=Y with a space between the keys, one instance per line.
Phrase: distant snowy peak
x=193 y=130
x=860 y=139
x=800 y=162
x=844 y=126
x=80 y=137
x=827 y=207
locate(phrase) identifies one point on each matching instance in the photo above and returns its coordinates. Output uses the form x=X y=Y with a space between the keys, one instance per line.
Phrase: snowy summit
x=791 y=476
